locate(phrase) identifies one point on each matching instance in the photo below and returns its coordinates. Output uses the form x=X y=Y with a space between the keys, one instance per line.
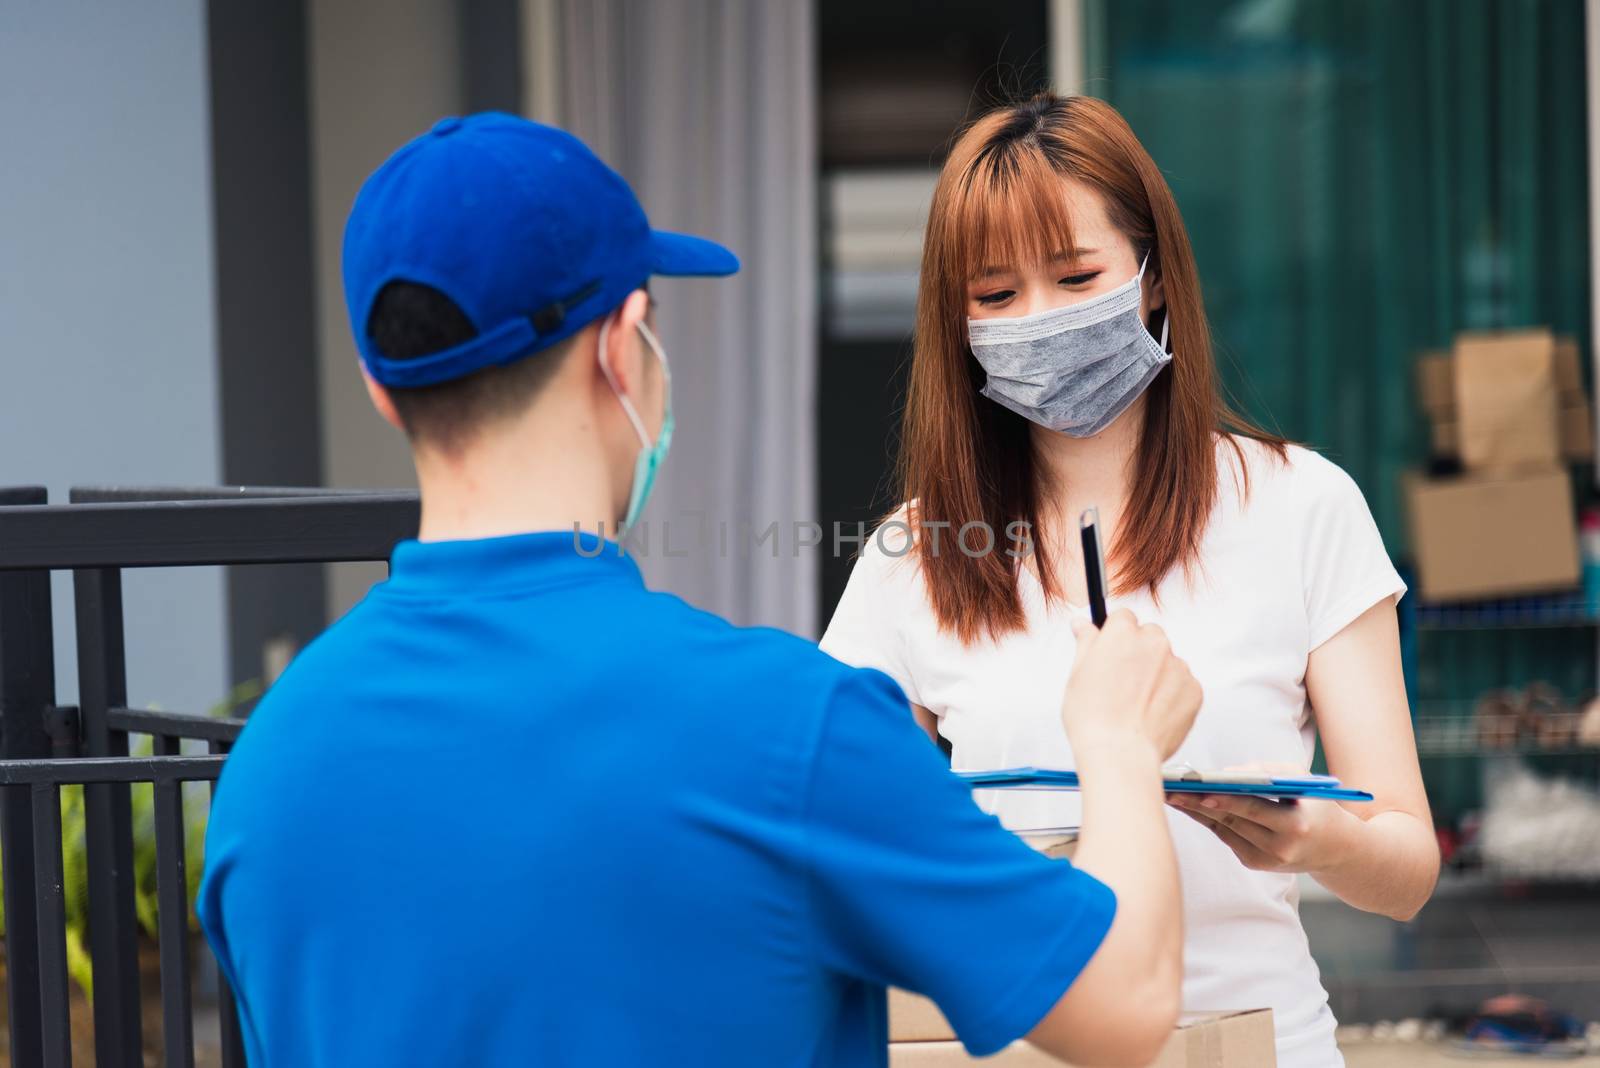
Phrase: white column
x=541 y=61
x=1066 y=46
x=1592 y=51
x=1592 y=69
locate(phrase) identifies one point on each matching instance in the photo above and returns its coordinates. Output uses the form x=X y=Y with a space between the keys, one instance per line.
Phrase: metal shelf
x=1458 y=736
x=1480 y=752
x=1550 y=610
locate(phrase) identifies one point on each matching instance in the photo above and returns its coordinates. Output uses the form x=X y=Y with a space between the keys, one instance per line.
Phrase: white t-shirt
x=1281 y=571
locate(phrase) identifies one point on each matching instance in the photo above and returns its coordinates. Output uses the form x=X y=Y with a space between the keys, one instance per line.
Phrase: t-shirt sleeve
x=913 y=886
x=1344 y=568
x=868 y=628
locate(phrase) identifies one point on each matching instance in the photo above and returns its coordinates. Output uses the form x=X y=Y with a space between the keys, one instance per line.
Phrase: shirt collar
x=547 y=558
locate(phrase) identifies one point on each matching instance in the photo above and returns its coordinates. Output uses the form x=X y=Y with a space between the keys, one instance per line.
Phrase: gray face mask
x=1072 y=369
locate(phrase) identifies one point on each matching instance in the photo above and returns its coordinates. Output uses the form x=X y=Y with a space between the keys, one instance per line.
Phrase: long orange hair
x=965 y=459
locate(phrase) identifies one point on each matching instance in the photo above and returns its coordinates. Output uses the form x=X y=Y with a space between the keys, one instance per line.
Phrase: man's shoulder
x=327 y=655
x=661 y=650
x=315 y=679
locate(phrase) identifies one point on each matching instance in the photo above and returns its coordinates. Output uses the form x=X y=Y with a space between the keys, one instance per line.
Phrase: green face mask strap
x=651 y=455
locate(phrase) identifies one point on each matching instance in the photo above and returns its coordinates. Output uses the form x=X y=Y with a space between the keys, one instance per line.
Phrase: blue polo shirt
x=517 y=809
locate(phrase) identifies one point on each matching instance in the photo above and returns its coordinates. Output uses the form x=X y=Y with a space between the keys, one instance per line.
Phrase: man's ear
x=382 y=401
x=622 y=359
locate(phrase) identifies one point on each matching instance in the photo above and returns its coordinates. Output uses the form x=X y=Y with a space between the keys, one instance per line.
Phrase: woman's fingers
x=1245 y=850
x=1279 y=830
x=1282 y=817
x=1248 y=852
x=1203 y=821
x=1258 y=836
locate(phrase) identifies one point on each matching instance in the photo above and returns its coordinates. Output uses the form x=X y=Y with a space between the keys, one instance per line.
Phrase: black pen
x=1094 y=564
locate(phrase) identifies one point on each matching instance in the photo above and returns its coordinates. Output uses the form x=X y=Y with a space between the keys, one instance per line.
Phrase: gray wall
x=382 y=71
x=106 y=323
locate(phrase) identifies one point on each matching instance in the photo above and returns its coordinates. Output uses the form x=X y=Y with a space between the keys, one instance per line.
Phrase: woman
x=1054 y=259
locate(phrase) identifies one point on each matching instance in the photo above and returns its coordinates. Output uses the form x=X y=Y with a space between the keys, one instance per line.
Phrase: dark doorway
x=897 y=79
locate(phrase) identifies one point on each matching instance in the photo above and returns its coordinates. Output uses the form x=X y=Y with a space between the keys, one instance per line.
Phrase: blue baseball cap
x=521 y=225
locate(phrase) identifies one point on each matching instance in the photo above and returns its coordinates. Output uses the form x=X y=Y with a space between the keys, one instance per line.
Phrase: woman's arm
x=1381 y=856
x=927 y=721
x=1358 y=695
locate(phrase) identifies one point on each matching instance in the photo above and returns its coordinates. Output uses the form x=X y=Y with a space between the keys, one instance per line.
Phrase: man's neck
x=515 y=482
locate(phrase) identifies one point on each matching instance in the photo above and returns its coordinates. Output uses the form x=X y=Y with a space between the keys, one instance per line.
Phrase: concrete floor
x=1420 y=1055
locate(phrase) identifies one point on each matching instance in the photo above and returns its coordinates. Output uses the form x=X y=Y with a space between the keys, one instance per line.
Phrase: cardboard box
x=1492 y=536
x=1506 y=400
x=1436 y=378
x=1569 y=372
x=1577 y=432
x=914 y=1018
x=1446 y=437
x=1436 y=383
x=1202 y=1040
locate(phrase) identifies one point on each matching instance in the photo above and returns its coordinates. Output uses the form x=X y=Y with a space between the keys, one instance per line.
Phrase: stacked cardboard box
x=920 y=1037
x=1521 y=356
x=1577 y=419
x=1511 y=407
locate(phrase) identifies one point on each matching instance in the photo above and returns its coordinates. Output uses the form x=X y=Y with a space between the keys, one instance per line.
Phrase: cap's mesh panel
x=410 y=320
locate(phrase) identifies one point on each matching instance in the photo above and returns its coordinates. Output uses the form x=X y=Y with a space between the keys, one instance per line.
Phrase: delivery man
x=517 y=809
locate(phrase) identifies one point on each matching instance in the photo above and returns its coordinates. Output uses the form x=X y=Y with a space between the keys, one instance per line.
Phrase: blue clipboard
x=1317 y=787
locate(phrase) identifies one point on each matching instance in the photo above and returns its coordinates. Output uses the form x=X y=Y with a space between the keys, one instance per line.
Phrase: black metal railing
x=44 y=746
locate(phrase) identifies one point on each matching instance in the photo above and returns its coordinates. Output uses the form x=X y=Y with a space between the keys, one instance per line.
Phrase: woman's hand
x=1283 y=836
x=1381 y=856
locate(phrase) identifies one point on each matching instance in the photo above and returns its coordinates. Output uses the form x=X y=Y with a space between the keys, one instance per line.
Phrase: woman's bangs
x=1010 y=212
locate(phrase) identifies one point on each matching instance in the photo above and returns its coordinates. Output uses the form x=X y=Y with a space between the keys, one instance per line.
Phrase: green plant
x=75 y=855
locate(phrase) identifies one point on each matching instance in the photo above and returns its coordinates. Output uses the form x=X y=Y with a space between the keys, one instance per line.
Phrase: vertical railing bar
x=173 y=974
x=22 y=934
x=227 y=1006
x=108 y=820
x=30 y=839
x=232 y=1036
x=172 y=910
x=54 y=1006
x=27 y=687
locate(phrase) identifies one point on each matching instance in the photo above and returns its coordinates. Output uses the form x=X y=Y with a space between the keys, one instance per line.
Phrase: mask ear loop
x=1165 y=317
x=627 y=405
